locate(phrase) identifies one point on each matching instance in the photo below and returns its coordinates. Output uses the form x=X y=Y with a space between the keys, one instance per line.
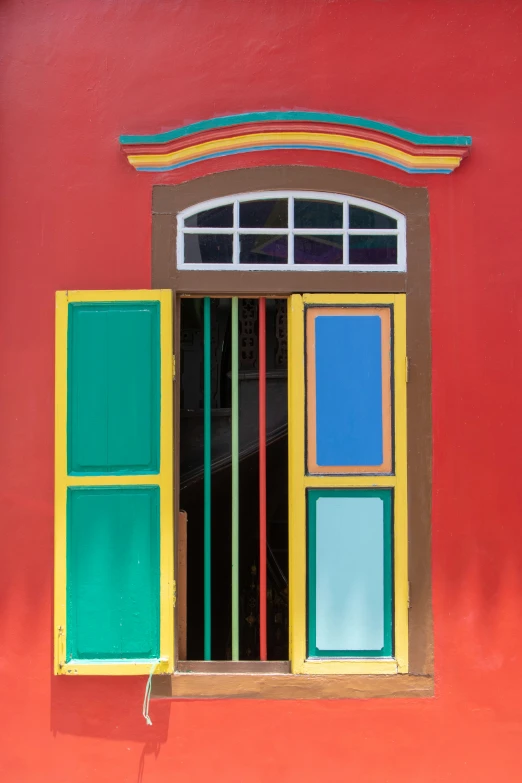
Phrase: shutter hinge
x=174 y=593
x=407 y=369
x=173 y=367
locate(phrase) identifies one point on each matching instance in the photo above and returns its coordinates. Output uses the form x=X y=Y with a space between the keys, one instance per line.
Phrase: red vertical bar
x=262 y=479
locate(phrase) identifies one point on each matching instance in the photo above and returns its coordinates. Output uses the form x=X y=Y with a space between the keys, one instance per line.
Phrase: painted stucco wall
x=73 y=214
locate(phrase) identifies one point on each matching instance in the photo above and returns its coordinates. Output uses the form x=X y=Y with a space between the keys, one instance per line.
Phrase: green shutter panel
x=113 y=483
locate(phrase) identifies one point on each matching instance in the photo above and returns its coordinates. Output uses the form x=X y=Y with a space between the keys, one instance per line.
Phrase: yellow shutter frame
x=162 y=478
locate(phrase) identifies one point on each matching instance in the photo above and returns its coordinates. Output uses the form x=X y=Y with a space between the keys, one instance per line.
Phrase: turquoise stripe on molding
x=350 y=613
x=305 y=116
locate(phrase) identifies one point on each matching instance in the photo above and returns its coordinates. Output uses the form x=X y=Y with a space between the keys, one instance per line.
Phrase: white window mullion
x=180 y=243
x=346 y=239
x=290 y=230
x=363 y=232
x=235 y=239
x=205 y=230
x=318 y=231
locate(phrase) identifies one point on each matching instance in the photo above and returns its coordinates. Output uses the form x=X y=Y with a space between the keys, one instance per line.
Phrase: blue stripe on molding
x=296 y=116
x=201 y=158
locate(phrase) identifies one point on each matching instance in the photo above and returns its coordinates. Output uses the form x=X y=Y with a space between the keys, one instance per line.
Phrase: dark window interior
x=192 y=470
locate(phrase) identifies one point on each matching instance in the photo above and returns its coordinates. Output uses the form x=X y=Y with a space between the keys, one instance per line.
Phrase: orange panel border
x=384 y=314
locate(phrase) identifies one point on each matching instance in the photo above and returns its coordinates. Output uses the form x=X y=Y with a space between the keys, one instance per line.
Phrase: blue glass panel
x=348 y=365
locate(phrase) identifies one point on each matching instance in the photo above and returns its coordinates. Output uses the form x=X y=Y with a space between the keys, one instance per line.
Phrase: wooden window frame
x=250 y=679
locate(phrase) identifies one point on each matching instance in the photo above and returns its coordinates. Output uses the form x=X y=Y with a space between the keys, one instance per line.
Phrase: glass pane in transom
x=265 y=213
x=317 y=214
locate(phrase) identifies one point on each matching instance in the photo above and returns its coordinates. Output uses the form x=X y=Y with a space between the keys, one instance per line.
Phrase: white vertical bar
x=401 y=243
x=346 y=240
x=291 y=230
x=235 y=240
x=180 y=242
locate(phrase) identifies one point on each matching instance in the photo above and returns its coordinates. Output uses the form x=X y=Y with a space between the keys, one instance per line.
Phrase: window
x=243 y=458
x=343 y=541
x=273 y=230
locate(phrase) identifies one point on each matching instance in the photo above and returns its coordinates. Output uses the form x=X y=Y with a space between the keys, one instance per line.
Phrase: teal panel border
x=294 y=116
x=386 y=495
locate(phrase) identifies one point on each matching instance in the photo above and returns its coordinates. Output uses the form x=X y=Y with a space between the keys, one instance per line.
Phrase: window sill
x=197 y=685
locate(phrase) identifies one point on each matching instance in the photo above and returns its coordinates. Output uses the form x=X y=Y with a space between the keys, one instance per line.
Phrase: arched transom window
x=292 y=230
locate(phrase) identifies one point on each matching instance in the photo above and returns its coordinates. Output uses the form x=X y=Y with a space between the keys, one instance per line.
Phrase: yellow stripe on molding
x=299 y=139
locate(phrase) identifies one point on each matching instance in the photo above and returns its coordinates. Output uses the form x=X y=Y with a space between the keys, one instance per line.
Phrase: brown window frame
x=246 y=679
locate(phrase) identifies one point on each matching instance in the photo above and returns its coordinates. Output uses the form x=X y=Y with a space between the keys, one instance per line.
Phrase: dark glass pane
x=219 y=217
x=376 y=249
x=318 y=249
x=367 y=218
x=263 y=249
x=208 y=248
x=317 y=214
x=269 y=213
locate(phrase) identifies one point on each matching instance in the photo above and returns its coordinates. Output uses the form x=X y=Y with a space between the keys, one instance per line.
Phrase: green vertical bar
x=235 y=483
x=207 y=473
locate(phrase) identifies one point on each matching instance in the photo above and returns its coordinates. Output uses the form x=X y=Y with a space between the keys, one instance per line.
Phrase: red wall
x=74 y=214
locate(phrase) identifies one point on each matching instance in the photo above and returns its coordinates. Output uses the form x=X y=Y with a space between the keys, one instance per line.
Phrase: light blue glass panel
x=350 y=579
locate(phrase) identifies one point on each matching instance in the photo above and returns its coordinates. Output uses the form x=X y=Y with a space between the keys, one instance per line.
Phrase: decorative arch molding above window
x=414 y=153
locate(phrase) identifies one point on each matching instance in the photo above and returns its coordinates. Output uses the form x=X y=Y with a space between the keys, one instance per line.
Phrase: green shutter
x=114 y=521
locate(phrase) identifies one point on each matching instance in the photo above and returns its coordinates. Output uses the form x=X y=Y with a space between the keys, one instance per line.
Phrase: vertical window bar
x=262 y=480
x=180 y=248
x=291 y=230
x=235 y=235
x=346 y=240
x=235 y=481
x=207 y=474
